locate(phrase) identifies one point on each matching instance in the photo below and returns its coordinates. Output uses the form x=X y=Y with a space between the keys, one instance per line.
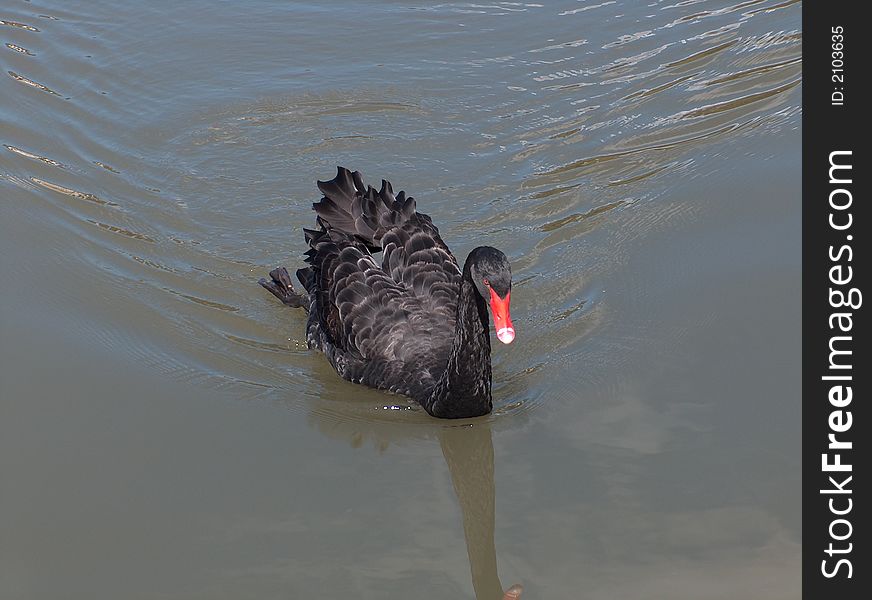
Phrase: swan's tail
x=359 y=210
x=280 y=286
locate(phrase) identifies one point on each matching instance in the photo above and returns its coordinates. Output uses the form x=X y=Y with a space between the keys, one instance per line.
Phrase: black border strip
x=836 y=51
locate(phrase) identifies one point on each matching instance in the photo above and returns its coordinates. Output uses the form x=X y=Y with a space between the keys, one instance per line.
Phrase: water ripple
x=19 y=49
x=32 y=83
x=72 y=193
x=18 y=25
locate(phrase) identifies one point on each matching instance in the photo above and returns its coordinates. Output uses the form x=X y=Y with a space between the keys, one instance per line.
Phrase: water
x=166 y=434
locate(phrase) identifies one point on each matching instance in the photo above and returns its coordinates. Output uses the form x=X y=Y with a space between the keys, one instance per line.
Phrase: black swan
x=416 y=324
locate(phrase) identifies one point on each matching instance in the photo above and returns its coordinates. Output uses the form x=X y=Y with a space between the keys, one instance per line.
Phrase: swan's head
x=492 y=275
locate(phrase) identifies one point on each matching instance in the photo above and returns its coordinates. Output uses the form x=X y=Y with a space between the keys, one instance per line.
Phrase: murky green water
x=164 y=431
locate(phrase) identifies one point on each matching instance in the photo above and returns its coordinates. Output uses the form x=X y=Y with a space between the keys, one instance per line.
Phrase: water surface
x=166 y=434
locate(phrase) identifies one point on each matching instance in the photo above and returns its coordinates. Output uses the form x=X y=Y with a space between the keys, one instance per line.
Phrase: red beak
x=502 y=318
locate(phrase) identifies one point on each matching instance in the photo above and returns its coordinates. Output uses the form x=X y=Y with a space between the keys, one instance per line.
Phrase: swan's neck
x=464 y=390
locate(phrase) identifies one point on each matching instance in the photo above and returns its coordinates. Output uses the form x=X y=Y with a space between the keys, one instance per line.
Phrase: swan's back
x=387 y=325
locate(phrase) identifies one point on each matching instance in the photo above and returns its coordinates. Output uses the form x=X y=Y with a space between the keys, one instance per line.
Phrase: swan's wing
x=415 y=256
x=414 y=253
x=363 y=310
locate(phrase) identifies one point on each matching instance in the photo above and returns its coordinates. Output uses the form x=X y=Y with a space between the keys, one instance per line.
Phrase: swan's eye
x=485 y=281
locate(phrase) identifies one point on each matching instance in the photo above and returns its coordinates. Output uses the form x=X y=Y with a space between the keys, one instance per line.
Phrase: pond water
x=165 y=433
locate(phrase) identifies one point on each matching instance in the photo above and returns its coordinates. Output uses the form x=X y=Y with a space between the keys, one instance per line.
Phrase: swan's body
x=413 y=323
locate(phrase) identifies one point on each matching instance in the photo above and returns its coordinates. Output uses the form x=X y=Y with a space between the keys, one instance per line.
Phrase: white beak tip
x=506 y=335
